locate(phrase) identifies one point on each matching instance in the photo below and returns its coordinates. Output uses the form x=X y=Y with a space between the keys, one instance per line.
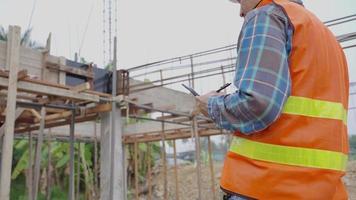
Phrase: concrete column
x=105 y=161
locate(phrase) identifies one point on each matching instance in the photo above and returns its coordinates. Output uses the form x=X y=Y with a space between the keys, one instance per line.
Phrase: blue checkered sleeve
x=262 y=76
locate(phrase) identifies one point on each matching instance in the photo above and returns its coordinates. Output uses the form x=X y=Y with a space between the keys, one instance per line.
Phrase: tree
x=25 y=38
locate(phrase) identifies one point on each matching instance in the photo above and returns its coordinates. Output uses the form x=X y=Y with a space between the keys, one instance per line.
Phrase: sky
x=151 y=30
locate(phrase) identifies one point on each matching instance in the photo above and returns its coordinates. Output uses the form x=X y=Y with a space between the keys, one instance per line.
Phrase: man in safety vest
x=289 y=112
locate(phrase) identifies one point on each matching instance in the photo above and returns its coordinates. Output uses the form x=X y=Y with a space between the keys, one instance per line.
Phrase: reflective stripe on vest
x=315 y=108
x=295 y=156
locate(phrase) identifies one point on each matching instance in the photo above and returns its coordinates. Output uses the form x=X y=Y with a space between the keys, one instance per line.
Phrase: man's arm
x=262 y=75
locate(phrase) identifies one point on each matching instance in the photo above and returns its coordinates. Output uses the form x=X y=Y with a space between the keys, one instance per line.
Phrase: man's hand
x=201 y=105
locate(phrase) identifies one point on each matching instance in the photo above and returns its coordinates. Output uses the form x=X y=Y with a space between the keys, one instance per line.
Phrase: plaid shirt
x=262 y=75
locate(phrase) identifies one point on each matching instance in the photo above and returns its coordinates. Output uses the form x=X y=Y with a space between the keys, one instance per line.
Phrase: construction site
x=71 y=129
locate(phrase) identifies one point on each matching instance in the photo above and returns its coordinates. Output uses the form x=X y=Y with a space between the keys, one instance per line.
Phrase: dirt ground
x=350 y=180
x=188 y=185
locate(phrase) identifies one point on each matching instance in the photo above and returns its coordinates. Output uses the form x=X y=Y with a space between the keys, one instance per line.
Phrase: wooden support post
x=96 y=180
x=49 y=170
x=136 y=170
x=175 y=169
x=30 y=167
x=149 y=184
x=12 y=63
x=77 y=194
x=164 y=159
x=71 y=161
x=37 y=169
x=211 y=163
x=2 y=132
x=197 y=154
x=164 y=163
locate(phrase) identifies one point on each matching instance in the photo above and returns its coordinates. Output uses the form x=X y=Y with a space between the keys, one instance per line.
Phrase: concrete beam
x=164 y=98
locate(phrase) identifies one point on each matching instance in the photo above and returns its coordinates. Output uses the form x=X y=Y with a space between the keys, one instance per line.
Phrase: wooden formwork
x=34 y=96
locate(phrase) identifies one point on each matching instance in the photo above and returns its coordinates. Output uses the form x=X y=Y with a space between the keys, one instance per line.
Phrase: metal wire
x=342 y=22
x=329 y=23
x=348 y=47
x=338 y=19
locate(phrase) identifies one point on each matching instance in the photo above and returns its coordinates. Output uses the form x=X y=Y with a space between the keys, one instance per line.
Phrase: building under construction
x=45 y=98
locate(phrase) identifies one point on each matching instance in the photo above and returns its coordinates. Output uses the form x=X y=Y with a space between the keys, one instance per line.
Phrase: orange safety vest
x=303 y=154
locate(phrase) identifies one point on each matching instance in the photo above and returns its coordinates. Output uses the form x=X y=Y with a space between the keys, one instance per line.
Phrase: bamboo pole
x=149 y=185
x=38 y=154
x=48 y=190
x=164 y=156
x=197 y=153
x=175 y=169
x=78 y=172
x=164 y=164
x=96 y=180
x=136 y=170
x=211 y=163
x=71 y=161
x=30 y=167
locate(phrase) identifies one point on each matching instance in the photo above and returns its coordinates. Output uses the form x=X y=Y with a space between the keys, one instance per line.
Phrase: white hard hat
x=235 y=1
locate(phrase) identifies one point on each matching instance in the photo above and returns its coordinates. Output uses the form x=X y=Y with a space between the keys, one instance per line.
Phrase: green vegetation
x=25 y=38
x=59 y=173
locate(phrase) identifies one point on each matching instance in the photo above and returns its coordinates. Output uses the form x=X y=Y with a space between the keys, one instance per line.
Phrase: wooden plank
x=63 y=115
x=57 y=123
x=12 y=63
x=35 y=114
x=81 y=87
x=48 y=90
x=37 y=168
x=56 y=116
